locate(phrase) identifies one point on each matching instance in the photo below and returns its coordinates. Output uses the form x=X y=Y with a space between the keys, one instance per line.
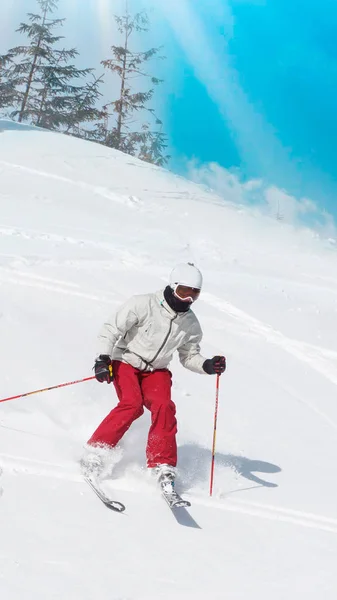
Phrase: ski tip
x=181 y=504
x=108 y=502
x=118 y=506
x=175 y=501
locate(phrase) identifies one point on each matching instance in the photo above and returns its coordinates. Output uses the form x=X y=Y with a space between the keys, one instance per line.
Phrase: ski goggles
x=186 y=293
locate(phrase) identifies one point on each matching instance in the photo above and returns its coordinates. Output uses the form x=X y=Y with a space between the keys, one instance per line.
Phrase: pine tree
x=44 y=77
x=7 y=86
x=128 y=65
x=152 y=146
x=82 y=108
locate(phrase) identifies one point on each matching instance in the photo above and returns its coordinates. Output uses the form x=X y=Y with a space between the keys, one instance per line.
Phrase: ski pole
x=214 y=432
x=54 y=387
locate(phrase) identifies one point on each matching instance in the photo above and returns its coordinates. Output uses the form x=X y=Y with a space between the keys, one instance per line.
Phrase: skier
x=135 y=348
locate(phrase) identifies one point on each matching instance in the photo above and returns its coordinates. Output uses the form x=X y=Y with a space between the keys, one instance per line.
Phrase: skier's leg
x=129 y=408
x=162 y=445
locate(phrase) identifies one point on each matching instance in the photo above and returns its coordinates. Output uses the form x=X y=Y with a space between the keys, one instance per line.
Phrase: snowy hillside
x=82 y=228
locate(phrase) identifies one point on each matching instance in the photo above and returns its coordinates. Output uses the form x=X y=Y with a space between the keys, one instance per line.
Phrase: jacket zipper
x=149 y=362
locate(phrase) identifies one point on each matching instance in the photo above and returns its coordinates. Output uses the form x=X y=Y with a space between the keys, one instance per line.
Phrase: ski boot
x=92 y=464
x=166 y=477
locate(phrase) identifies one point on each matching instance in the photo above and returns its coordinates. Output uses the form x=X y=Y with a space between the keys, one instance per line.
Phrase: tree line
x=41 y=85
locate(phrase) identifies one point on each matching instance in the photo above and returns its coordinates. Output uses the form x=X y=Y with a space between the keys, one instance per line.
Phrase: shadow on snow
x=195 y=461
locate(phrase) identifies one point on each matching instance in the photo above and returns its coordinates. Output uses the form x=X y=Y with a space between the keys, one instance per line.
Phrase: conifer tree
x=7 y=87
x=83 y=108
x=126 y=134
x=44 y=77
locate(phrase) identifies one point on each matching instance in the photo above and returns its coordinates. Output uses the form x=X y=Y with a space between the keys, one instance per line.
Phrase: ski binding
x=174 y=500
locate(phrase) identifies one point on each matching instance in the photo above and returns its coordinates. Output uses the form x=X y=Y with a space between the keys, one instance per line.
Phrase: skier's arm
x=117 y=326
x=189 y=353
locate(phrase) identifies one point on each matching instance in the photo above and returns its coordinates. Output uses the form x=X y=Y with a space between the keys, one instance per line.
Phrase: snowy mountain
x=82 y=228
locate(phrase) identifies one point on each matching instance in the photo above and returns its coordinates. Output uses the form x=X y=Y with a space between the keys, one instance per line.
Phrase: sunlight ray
x=105 y=10
x=253 y=134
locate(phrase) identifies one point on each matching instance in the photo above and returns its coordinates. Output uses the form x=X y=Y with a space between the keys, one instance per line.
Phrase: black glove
x=103 y=368
x=215 y=365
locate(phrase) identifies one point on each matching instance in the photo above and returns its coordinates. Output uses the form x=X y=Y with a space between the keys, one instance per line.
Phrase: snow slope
x=82 y=228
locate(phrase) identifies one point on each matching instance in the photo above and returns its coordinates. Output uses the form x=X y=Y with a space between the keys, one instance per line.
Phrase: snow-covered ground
x=82 y=228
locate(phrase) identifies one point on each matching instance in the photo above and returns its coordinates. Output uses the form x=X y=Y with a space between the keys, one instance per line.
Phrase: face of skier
x=186 y=293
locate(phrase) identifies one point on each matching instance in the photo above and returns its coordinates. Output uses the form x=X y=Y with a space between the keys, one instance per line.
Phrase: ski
x=109 y=503
x=174 y=500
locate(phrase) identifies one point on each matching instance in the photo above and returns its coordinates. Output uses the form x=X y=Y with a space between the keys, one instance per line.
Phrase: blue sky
x=249 y=85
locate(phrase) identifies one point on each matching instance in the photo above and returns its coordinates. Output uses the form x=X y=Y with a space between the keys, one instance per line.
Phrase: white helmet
x=186 y=274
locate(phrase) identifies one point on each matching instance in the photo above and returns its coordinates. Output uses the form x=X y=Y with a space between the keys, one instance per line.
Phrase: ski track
x=26 y=466
x=30 y=234
x=315 y=356
x=97 y=190
x=56 y=288
x=122 y=254
x=131 y=201
x=322 y=360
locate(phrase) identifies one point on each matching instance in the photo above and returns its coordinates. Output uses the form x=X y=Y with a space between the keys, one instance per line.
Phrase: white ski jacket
x=145 y=332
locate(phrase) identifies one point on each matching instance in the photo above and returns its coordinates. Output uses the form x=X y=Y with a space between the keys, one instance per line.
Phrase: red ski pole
x=214 y=433
x=54 y=387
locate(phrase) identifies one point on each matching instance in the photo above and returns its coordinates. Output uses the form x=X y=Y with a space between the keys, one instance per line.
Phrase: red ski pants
x=136 y=389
